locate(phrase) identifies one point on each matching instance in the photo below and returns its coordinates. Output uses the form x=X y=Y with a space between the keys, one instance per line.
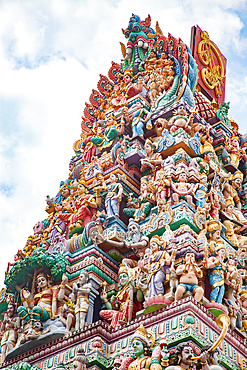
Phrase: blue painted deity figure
x=140 y=118
x=114 y=196
x=216 y=271
x=201 y=191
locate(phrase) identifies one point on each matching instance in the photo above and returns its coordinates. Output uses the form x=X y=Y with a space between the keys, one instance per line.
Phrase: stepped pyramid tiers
x=141 y=262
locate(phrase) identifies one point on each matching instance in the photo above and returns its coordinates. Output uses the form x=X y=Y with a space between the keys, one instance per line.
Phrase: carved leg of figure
x=175 y=198
x=82 y=319
x=77 y=323
x=198 y=293
x=69 y=321
x=3 y=350
x=190 y=201
x=179 y=292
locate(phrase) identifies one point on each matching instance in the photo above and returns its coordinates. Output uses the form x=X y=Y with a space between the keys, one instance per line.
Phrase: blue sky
x=51 y=54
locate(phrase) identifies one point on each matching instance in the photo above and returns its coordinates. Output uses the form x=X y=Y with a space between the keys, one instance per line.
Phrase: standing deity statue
x=114 y=196
x=158 y=267
x=152 y=161
x=140 y=118
x=216 y=271
x=10 y=326
x=79 y=295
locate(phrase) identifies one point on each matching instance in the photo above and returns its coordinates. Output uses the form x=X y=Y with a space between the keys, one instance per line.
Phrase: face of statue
x=80 y=189
x=187 y=354
x=234 y=143
x=10 y=310
x=208 y=156
x=113 y=178
x=237 y=183
x=138 y=347
x=204 y=180
x=189 y=257
x=215 y=236
x=133 y=229
x=182 y=110
x=65 y=192
x=230 y=208
x=154 y=246
x=148 y=148
x=127 y=79
x=42 y=282
x=182 y=177
x=138 y=105
x=143 y=186
x=123 y=278
x=37 y=325
x=110 y=120
x=58 y=207
x=82 y=278
x=221 y=253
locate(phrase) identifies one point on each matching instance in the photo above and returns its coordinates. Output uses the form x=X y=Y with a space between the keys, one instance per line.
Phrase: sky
x=51 y=55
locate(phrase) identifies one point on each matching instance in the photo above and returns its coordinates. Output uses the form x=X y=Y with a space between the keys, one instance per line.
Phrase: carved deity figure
x=140 y=118
x=140 y=208
x=44 y=305
x=180 y=120
x=10 y=326
x=201 y=191
x=232 y=187
x=189 y=273
x=142 y=343
x=183 y=358
x=158 y=267
x=232 y=228
x=79 y=295
x=31 y=332
x=152 y=161
x=107 y=132
x=216 y=271
x=182 y=189
x=124 y=306
x=114 y=196
x=234 y=151
x=162 y=185
x=134 y=239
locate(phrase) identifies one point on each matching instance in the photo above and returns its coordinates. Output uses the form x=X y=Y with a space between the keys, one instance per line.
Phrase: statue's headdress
x=237 y=175
x=207 y=147
x=215 y=246
x=157 y=240
x=147 y=337
x=229 y=202
x=123 y=269
x=213 y=226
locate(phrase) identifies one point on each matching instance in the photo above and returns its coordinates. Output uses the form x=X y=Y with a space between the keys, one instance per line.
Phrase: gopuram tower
x=141 y=262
